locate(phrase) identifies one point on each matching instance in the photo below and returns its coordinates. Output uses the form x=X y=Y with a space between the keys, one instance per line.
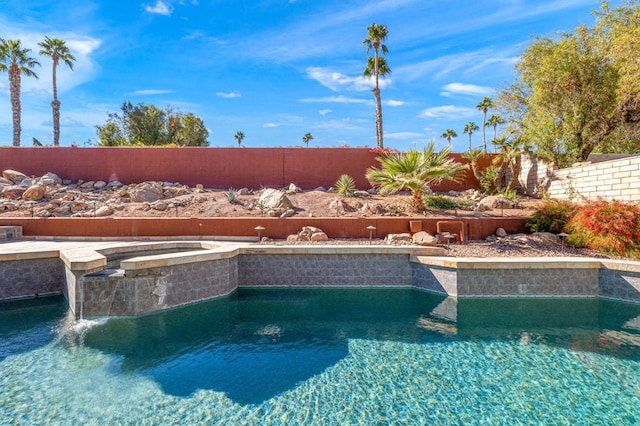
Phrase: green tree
x=376 y=35
x=448 y=135
x=494 y=121
x=58 y=51
x=307 y=138
x=147 y=125
x=484 y=105
x=239 y=138
x=414 y=171
x=15 y=60
x=469 y=128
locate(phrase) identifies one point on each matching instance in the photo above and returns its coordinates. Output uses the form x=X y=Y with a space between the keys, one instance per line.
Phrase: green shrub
x=231 y=195
x=488 y=180
x=345 y=186
x=552 y=217
x=444 y=203
x=607 y=227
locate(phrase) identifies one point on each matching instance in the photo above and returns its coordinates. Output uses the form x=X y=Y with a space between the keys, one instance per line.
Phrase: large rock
x=34 y=193
x=146 y=192
x=5 y=181
x=50 y=178
x=494 y=202
x=423 y=238
x=103 y=211
x=272 y=199
x=13 y=192
x=14 y=176
x=545 y=238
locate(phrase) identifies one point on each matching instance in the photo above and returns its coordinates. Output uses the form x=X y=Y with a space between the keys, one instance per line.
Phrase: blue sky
x=277 y=69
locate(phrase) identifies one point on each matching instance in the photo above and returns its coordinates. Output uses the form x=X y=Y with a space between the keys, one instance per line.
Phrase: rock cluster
x=55 y=197
x=308 y=233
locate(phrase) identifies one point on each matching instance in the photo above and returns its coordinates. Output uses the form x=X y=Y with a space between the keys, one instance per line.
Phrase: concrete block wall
x=617 y=179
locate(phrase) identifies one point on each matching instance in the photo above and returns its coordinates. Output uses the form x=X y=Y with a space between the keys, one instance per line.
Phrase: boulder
x=273 y=199
x=52 y=177
x=99 y=184
x=399 y=239
x=500 y=232
x=146 y=192
x=545 y=238
x=244 y=191
x=292 y=237
x=5 y=181
x=34 y=193
x=319 y=236
x=104 y=211
x=423 y=238
x=160 y=206
x=293 y=189
x=14 y=176
x=88 y=185
x=288 y=213
x=494 y=202
x=12 y=192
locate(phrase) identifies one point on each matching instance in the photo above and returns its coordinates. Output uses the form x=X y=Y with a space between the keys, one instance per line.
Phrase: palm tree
x=494 y=121
x=414 y=171
x=16 y=61
x=448 y=134
x=376 y=35
x=484 y=106
x=306 y=138
x=57 y=50
x=469 y=128
x=239 y=137
x=473 y=156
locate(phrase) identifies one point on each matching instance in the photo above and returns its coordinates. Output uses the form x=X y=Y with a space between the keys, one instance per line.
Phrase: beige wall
x=617 y=179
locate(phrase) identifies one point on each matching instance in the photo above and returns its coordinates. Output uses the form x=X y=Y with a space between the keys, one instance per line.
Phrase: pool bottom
x=331 y=357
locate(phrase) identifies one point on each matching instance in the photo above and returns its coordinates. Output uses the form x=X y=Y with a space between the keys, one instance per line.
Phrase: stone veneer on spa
x=145 y=284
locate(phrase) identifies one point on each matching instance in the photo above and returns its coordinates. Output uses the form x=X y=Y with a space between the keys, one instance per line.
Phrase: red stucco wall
x=212 y=167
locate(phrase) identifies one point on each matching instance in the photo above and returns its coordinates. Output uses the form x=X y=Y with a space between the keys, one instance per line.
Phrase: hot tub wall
x=154 y=289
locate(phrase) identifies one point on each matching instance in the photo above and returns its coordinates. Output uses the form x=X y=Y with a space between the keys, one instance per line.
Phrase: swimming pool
x=327 y=356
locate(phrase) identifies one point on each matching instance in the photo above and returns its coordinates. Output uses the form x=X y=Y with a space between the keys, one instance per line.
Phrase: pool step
x=10 y=233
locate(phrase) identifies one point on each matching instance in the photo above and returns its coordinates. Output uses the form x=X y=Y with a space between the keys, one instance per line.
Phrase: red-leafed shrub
x=607 y=227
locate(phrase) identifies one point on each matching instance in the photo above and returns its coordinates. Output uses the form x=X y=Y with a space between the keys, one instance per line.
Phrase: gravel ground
x=479 y=248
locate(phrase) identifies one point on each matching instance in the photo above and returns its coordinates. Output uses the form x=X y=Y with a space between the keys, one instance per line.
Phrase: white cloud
x=270 y=125
x=336 y=99
x=160 y=8
x=324 y=111
x=404 y=135
x=228 y=95
x=152 y=92
x=447 y=111
x=337 y=81
x=466 y=89
x=393 y=103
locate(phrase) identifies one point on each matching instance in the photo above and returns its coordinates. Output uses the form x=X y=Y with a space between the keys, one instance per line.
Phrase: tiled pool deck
x=190 y=271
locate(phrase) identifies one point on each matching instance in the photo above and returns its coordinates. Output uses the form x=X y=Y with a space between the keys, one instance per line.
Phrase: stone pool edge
x=148 y=283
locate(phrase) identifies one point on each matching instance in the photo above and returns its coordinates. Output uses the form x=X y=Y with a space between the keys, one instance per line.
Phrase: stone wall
x=30 y=278
x=621 y=285
x=324 y=270
x=617 y=179
x=156 y=289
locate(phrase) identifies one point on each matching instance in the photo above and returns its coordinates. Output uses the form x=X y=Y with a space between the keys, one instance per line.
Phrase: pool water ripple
x=326 y=357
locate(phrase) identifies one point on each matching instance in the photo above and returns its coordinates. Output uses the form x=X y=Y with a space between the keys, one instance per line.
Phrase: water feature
x=325 y=357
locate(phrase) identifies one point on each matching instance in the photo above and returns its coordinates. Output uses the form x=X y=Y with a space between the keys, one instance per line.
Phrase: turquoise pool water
x=325 y=357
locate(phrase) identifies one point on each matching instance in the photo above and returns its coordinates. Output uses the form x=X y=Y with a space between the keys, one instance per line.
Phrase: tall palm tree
x=485 y=104
x=239 y=137
x=376 y=35
x=306 y=138
x=414 y=171
x=494 y=121
x=469 y=128
x=58 y=51
x=16 y=61
x=448 y=134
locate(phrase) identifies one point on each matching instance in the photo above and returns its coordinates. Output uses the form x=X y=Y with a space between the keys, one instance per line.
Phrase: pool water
x=325 y=357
